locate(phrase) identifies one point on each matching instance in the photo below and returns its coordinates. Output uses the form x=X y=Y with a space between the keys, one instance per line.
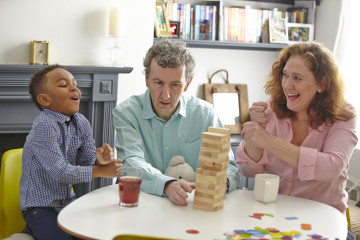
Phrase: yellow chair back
x=348 y=217
x=11 y=220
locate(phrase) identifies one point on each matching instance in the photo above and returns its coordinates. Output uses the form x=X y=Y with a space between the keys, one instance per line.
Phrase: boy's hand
x=109 y=170
x=104 y=155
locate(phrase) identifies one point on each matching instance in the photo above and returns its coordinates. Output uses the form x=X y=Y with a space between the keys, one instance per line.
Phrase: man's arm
x=130 y=146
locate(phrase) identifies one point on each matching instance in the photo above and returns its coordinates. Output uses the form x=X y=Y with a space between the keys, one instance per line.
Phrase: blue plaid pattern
x=49 y=160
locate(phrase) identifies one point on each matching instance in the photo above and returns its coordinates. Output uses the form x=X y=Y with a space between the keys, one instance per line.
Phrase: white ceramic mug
x=266 y=187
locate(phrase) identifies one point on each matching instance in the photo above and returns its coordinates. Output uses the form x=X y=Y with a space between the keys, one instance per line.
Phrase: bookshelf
x=282 y=1
x=232 y=45
x=236 y=45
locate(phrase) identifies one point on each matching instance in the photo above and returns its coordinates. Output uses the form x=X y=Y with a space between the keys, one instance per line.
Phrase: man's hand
x=104 y=155
x=177 y=191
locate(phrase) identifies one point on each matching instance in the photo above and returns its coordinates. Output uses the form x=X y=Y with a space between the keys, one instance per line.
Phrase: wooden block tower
x=211 y=177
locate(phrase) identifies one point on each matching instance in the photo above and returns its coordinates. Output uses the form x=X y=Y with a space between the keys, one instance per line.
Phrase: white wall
x=76 y=31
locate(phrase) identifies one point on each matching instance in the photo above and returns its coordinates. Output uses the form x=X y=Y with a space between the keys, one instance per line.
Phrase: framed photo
x=278 y=30
x=175 y=29
x=162 y=26
x=299 y=32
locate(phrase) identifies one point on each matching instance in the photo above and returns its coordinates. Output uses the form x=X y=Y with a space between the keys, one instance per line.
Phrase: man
x=153 y=127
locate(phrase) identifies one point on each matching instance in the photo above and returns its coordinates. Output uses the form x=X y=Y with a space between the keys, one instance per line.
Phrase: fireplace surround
x=98 y=86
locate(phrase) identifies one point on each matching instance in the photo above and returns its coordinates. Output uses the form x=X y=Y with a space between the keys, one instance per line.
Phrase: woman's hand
x=254 y=134
x=260 y=112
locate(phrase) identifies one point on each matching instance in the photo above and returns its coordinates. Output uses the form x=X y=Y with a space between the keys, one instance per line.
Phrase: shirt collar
x=60 y=117
x=149 y=111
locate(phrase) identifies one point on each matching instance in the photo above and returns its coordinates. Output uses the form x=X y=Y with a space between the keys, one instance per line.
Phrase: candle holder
x=115 y=53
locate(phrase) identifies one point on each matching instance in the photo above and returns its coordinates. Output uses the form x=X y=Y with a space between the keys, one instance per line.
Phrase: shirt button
x=166 y=125
x=166 y=148
x=68 y=119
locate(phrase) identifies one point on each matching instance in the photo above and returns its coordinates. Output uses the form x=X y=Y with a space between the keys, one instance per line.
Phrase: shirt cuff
x=307 y=161
x=242 y=158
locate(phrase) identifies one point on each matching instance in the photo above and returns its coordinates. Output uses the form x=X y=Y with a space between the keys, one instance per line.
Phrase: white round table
x=97 y=215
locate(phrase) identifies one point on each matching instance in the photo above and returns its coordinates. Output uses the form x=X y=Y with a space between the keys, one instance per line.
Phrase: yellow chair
x=11 y=220
x=348 y=217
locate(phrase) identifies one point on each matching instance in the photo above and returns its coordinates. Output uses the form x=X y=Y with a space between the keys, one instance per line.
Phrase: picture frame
x=278 y=30
x=231 y=98
x=162 y=25
x=175 y=29
x=300 y=32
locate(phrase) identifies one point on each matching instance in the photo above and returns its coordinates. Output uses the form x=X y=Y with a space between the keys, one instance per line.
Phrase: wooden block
x=210 y=165
x=207 y=201
x=210 y=209
x=214 y=150
x=212 y=159
x=220 y=130
x=206 y=197
x=211 y=172
x=209 y=196
x=208 y=206
x=225 y=141
x=210 y=154
x=215 y=180
x=210 y=189
x=214 y=136
x=215 y=145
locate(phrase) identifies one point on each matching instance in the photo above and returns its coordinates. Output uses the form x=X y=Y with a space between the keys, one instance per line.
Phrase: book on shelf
x=203 y=22
x=217 y=26
x=298 y=15
x=192 y=23
x=187 y=21
x=225 y=23
x=197 y=21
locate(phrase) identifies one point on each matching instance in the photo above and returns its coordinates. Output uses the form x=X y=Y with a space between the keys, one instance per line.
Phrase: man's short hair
x=170 y=53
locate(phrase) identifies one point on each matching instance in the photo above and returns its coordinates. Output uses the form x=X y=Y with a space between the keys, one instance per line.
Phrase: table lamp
x=115 y=53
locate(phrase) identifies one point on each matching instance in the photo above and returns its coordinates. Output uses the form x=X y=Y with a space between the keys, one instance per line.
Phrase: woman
x=305 y=132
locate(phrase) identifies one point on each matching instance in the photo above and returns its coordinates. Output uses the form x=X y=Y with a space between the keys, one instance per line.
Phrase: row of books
x=197 y=22
x=232 y=24
x=297 y=15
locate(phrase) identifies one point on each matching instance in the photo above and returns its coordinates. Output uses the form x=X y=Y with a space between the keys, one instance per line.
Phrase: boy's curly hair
x=37 y=83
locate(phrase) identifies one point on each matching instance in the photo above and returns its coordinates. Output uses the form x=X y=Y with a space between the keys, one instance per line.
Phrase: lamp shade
x=114 y=21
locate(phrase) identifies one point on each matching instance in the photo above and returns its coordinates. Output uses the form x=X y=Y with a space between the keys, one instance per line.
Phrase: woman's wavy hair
x=170 y=53
x=327 y=106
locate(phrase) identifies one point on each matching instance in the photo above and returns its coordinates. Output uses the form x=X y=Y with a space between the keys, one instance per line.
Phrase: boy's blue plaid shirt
x=49 y=158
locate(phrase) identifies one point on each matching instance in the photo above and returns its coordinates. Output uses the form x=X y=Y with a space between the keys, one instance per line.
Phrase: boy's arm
x=109 y=170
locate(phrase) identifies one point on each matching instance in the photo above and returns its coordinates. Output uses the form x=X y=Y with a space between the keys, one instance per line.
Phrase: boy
x=58 y=137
